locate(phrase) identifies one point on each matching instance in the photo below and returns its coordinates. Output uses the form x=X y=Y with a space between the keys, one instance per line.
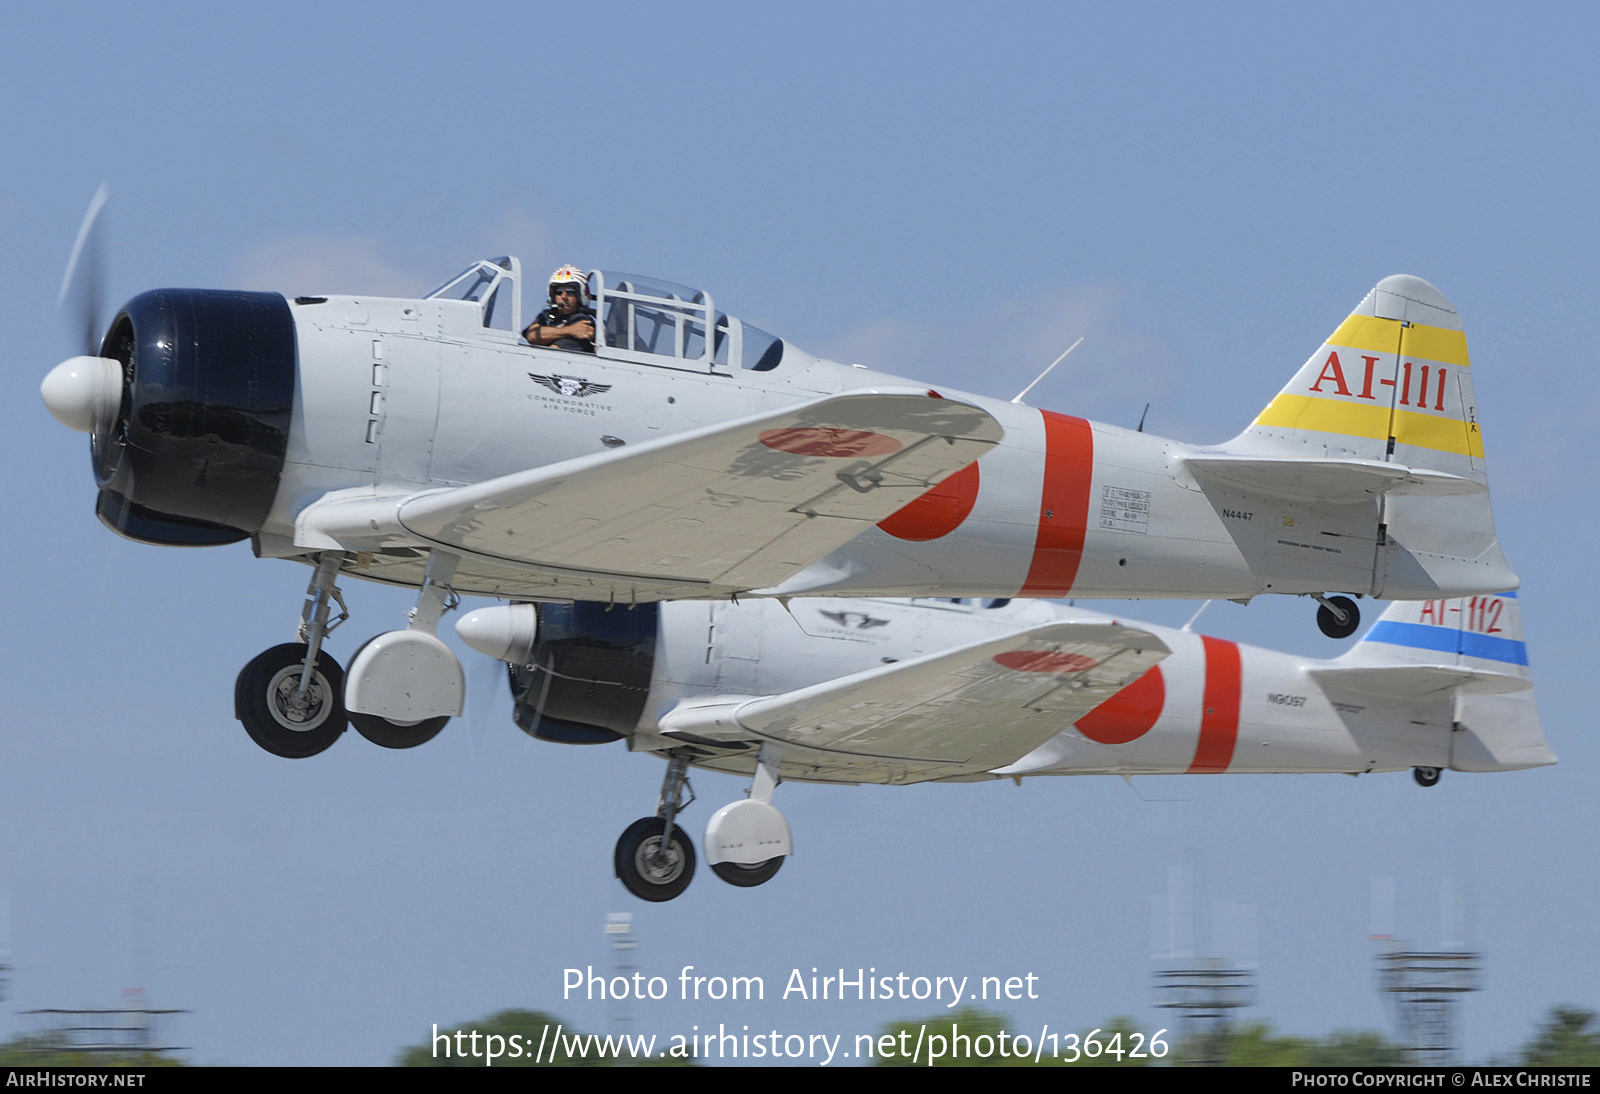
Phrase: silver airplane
x=907 y=691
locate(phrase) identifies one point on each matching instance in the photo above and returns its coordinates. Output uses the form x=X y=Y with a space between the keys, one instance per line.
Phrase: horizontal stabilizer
x=1416 y=681
x=1021 y=690
x=734 y=506
x=1335 y=481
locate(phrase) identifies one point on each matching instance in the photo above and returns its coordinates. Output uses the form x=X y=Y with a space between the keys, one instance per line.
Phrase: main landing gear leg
x=436 y=596
x=654 y=859
x=1338 y=617
x=747 y=841
x=405 y=685
x=321 y=595
x=289 y=698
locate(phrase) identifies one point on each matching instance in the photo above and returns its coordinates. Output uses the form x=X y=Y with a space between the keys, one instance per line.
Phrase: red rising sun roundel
x=1129 y=714
x=938 y=512
x=844 y=444
x=1044 y=661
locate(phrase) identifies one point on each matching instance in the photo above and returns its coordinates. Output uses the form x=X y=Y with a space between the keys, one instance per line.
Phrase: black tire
x=381 y=731
x=261 y=701
x=1329 y=623
x=1426 y=776
x=648 y=881
x=747 y=877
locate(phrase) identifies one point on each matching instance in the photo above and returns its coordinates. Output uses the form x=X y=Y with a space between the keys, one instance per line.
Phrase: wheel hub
x=294 y=709
x=658 y=865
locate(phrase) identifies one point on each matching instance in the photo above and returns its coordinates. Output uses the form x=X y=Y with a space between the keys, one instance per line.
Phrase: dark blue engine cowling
x=590 y=675
x=194 y=456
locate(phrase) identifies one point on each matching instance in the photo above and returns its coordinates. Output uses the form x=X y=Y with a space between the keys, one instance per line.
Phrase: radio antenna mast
x=1046 y=372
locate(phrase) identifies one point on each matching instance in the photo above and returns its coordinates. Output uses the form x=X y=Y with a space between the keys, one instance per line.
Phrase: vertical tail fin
x=1477 y=632
x=1497 y=725
x=1395 y=369
x=1393 y=383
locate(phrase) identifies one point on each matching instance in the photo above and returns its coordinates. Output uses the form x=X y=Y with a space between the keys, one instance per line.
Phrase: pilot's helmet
x=570 y=275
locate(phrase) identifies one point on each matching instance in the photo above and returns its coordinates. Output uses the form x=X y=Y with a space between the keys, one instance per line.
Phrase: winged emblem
x=574 y=386
x=867 y=622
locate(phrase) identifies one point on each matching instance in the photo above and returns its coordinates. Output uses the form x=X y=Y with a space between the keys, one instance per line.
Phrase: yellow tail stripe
x=1435 y=344
x=1326 y=416
x=1441 y=434
x=1383 y=336
x=1370 y=421
x=1368 y=333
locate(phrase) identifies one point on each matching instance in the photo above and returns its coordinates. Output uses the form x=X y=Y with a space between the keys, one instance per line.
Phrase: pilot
x=568 y=323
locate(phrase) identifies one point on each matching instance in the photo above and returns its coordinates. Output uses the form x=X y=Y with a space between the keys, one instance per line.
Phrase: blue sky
x=948 y=192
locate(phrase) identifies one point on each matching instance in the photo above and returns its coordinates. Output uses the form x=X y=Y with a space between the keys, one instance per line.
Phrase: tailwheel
x=285 y=710
x=649 y=870
x=747 y=877
x=1338 y=617
x=1426 y=776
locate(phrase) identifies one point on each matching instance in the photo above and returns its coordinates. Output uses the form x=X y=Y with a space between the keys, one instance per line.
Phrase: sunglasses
x=565 y=290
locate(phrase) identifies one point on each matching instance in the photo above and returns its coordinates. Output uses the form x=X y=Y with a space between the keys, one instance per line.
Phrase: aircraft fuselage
x=1211 y=706
x=406 y=395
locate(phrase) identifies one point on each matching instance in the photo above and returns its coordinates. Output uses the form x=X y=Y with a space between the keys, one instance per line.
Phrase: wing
x=731 y=507
x=949 y=714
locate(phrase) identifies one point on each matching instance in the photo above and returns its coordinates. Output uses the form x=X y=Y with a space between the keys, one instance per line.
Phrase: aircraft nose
x=83 y=392
x=505 y=633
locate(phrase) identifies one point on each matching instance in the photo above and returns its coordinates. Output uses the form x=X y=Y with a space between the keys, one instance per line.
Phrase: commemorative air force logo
x=867 y=622
x=573 y=386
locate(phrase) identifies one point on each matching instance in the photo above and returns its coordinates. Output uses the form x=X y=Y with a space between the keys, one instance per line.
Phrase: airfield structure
x=5 y=944
x=112 y=1034
x=1425 y=990
x=624 y=963
x=1205 y=995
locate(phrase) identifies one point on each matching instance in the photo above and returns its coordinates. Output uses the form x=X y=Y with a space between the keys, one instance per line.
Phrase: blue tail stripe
x=1445 y=640
x=1416 y=635
x=1490 y=648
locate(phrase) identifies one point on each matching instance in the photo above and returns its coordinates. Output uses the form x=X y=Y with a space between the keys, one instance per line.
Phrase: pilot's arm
x=537 y=335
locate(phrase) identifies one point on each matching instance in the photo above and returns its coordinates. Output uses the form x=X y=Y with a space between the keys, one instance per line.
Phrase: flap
x=1338 y=482
x=1415 y=681
x=738 y=505
x=976 y=707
